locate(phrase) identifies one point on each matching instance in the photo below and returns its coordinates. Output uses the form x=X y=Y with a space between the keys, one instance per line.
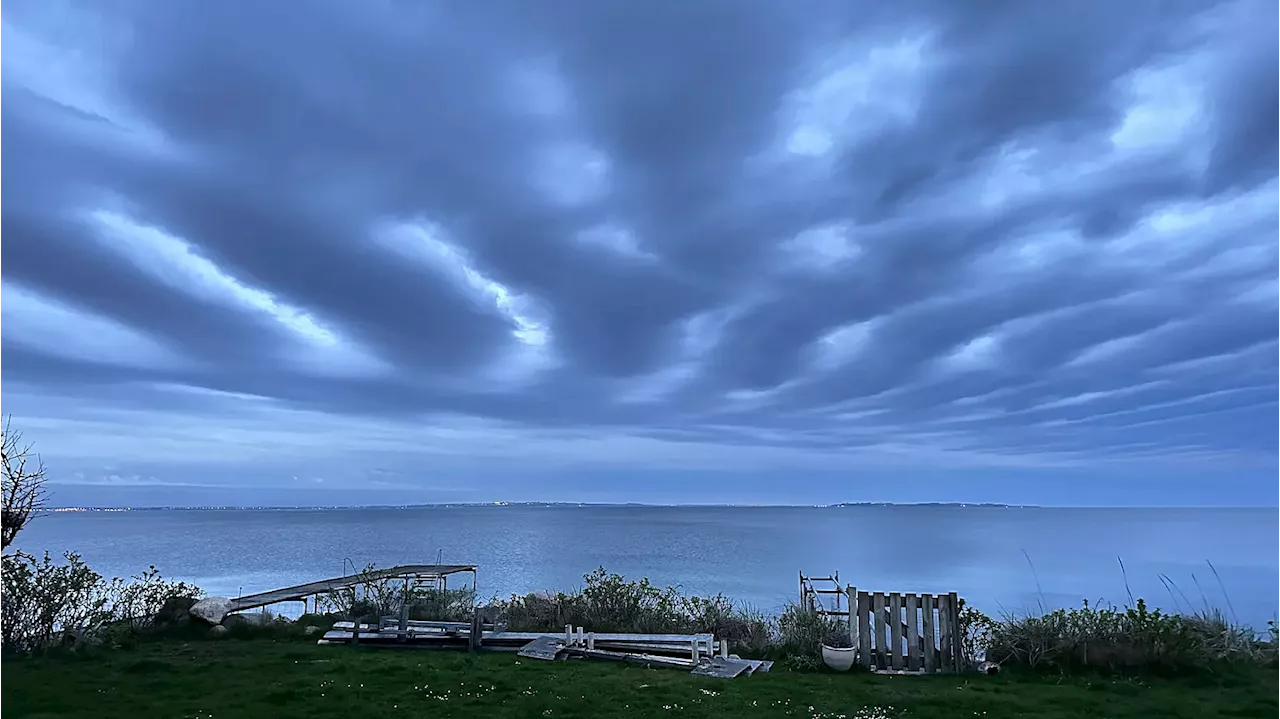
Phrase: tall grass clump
x=1125 y=639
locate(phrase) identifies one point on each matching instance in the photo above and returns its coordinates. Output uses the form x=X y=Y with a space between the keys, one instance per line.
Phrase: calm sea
x=1000 y=559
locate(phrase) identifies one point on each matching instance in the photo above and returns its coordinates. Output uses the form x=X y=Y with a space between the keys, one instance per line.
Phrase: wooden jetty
x=416 y=573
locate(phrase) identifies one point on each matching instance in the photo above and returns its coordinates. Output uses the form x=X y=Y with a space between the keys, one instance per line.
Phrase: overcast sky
x=707 y=251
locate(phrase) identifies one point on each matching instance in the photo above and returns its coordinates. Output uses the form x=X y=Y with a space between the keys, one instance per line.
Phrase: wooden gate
x=906 y=632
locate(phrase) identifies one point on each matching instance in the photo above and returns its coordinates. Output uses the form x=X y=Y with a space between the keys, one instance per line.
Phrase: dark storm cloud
x=978 y=232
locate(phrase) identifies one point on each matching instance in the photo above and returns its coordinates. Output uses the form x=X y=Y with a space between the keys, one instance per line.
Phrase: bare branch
x=22 y=494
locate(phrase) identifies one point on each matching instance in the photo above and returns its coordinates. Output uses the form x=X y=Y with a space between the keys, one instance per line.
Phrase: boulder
x=175 y=611
x=211 y=609
x=310 y=631
x=218 y=630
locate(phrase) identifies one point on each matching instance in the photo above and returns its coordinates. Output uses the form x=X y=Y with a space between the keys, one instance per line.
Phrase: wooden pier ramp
x=300 y=592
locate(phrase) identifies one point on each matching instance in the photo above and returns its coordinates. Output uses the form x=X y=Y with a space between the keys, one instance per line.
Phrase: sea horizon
x=656 y=505
x=1001 y=558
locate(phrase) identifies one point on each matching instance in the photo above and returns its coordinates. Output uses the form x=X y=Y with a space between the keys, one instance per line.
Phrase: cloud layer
x=572 y=235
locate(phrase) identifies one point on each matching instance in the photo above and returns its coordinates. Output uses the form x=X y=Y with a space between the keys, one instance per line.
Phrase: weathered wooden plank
x=946 y=654
x=545 y=648
x=957 y=639
x=853 y=615
x=864 y=629
x=882 y=631
x=914 y=650
x=641 y=659
x=895 y=630
x=930 y=647
x=723 y=668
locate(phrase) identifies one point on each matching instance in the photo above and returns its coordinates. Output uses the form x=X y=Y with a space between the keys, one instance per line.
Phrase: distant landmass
x=445 y=505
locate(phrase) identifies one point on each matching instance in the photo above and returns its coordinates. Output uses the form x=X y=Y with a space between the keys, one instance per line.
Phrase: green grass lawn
x=267 y=678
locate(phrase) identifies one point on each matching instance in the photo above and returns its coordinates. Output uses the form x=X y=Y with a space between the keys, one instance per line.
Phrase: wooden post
x=864 y=629
x=895 y=630
x=477 y=630
x=568 y=635
x=724 y=648
x=693 y=644
x=852 y=592
x=946 y=648
x=957 y=638
x=913 y=633
x=882 y=631
x=591 y=641
x=930 y=647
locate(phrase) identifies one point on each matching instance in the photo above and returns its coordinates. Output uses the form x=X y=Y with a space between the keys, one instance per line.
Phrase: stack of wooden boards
x=701 y=654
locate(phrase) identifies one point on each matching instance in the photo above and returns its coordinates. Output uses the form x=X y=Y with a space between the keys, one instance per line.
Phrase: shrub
x=609 y=602
x=42 y=598
x=975 y=634
x=802 y=632
x=137 y=603
x=1114 y=639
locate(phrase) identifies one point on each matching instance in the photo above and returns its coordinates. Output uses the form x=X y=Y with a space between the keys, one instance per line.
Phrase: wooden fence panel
x=912 y=632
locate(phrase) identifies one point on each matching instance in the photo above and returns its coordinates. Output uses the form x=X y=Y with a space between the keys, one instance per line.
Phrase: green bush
x=801 y=634
x=609 y=602
x=46 y=602
x=1124 y=639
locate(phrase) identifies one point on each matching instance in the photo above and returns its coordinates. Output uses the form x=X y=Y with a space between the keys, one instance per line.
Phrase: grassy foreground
x=287 y=678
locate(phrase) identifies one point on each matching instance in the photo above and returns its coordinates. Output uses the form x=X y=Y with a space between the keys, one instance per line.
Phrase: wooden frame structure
x=908 y=632
x=892 y=631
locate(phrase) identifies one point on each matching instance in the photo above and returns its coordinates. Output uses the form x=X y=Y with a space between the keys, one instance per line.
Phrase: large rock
x=211 y=609
x=175 y=612
x=218 y=630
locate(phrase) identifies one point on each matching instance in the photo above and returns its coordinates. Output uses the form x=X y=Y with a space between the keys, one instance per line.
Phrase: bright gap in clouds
x=37 y=321
x=174 y=261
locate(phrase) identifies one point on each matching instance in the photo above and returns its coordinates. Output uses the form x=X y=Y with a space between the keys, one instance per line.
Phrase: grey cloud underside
x=300 y=134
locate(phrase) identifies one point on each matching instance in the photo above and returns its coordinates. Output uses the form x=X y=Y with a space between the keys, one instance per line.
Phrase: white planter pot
x=839 y=658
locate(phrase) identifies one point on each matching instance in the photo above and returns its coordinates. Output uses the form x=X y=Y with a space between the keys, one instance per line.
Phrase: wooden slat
x=864 y=629
x=930 y=648
x=913 y=632
x=895 y=630
x=957 y=639
x=882 y=631
x=853 y=615
x=946 y=653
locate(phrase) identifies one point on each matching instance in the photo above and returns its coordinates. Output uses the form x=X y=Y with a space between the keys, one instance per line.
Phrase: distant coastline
x=601 y=505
